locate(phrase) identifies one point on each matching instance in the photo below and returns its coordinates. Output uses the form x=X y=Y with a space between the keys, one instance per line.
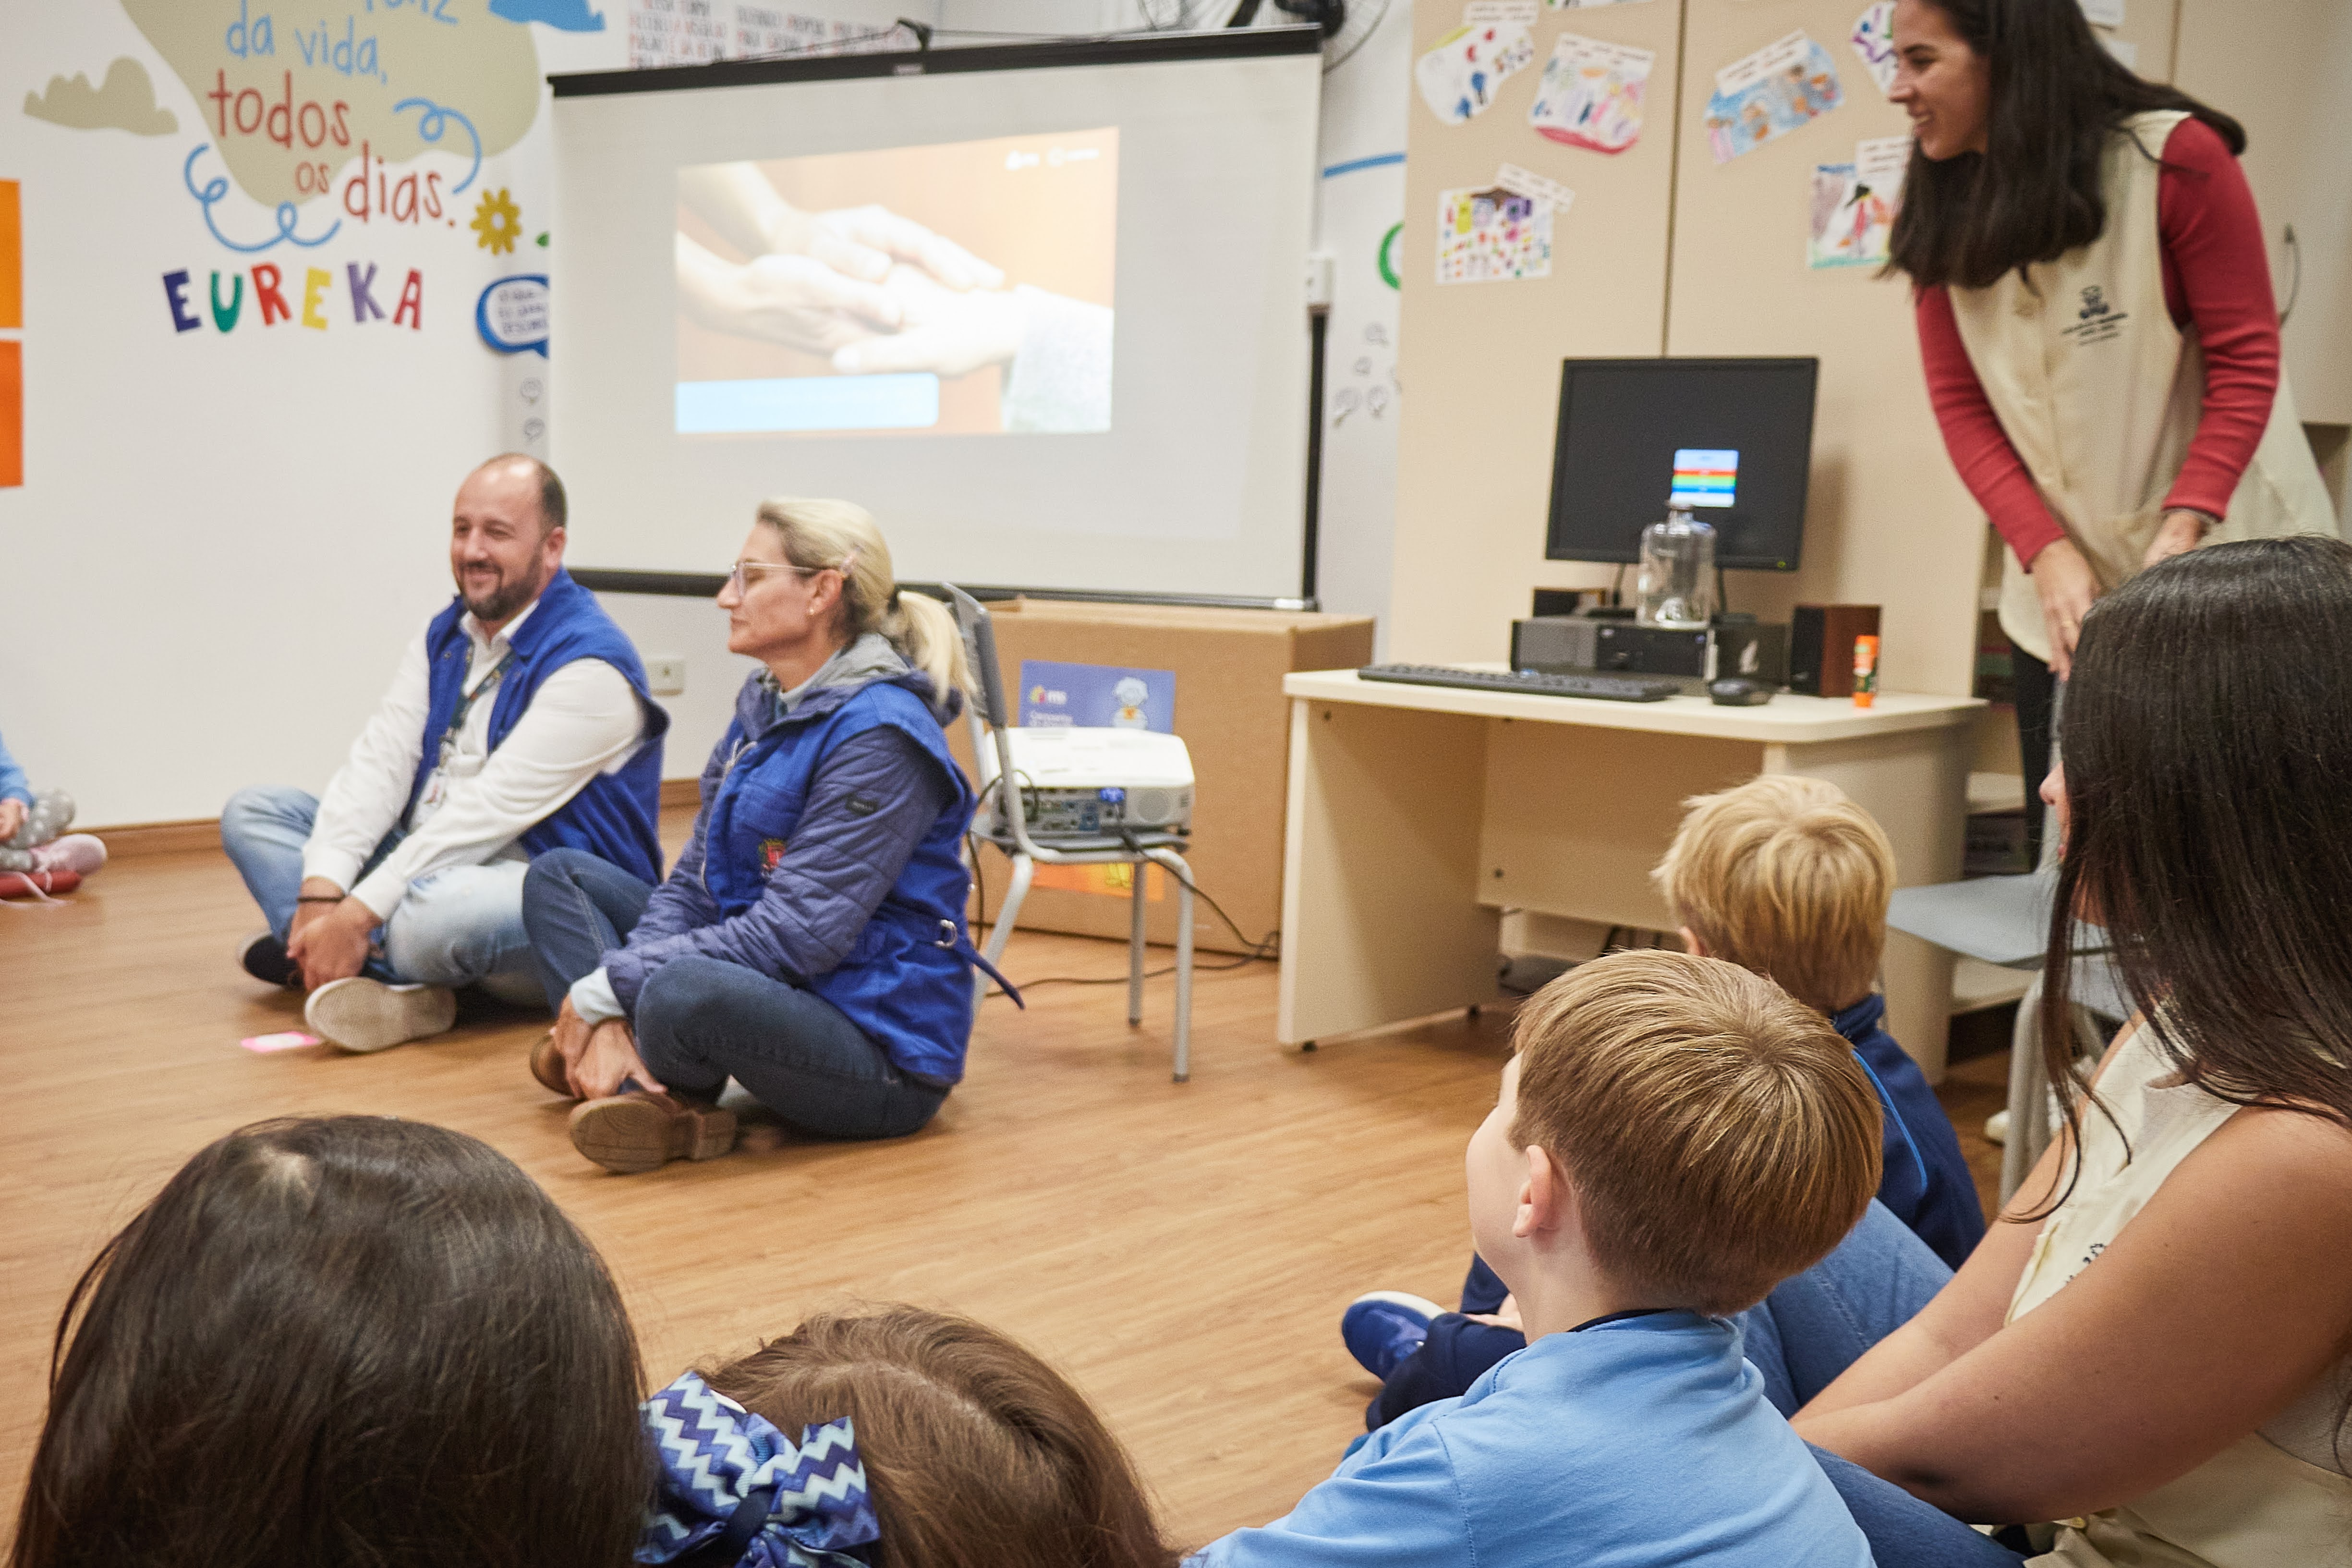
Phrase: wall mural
x=325 y=121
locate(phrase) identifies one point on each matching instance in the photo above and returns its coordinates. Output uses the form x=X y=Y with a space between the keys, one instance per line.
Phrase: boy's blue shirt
x=1633 y=1443
x=1926 y=1179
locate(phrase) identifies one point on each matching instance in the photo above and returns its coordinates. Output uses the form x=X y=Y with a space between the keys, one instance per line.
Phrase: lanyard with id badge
x=447 y=763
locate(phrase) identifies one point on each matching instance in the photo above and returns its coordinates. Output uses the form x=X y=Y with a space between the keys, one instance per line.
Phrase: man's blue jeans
x=701 y=1021
x=462 y=926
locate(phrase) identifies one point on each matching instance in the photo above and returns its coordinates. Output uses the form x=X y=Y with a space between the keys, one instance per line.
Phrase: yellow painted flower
x=499 y=222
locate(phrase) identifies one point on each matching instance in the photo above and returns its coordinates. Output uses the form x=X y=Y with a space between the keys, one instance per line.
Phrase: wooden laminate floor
x=1182 y=1251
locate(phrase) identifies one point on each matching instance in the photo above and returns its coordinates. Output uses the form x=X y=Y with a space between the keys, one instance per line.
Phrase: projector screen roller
x=1037 y=307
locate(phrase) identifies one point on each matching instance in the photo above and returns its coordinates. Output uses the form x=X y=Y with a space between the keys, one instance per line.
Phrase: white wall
x=223 y=540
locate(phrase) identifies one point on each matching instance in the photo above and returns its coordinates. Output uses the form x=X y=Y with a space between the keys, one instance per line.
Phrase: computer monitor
x=1733 y=437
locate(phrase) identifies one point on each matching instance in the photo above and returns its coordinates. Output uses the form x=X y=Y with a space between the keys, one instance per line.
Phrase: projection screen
x=1038 y=307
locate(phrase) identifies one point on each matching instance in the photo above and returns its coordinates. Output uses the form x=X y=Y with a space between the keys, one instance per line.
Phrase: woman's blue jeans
x=701 y=1021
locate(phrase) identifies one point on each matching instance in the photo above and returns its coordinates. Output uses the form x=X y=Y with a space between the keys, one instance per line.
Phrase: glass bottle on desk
x=1677 y=585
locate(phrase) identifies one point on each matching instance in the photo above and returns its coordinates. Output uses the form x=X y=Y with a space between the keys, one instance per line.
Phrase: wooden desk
x=1418 y=814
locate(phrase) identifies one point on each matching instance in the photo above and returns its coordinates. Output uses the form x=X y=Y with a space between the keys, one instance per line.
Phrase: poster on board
x=1501 y=233
x=1761 y=97
x=1460 y=74
x=1590 y=95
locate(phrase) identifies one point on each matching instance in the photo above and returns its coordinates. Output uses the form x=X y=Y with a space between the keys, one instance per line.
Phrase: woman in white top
x=2152 y=1351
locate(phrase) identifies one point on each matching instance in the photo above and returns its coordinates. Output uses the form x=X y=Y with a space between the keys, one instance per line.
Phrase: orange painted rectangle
x=12 y=413
x=12 y=259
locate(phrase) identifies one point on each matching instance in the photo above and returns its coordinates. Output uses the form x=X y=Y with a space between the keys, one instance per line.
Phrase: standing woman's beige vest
x=2100 y=392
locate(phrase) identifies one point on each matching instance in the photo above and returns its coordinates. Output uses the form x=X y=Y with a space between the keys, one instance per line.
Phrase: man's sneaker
x=263 y=956
x=641 y=1130
x=1383 y=1327
x=363 y=1015
x=81 y=853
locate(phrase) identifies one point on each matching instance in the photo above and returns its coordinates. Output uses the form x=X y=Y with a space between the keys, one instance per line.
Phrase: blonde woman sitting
x=810 y=942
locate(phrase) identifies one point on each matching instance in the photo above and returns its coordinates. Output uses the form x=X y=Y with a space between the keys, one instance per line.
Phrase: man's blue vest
x=614 y=815
x=906 y=983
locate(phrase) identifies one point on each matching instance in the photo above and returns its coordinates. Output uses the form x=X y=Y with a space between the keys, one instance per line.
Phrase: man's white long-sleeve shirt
x=583 y=721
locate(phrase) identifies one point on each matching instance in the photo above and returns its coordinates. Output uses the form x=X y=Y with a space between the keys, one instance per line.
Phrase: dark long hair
x=979 y=1452
x=350 y=1343
x=2208 y=747
x=2034 y=194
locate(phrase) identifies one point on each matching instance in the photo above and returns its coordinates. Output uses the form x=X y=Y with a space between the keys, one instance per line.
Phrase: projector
x=1092 y=783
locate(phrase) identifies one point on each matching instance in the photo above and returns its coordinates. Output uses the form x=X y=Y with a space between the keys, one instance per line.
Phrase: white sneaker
x=363 y=1015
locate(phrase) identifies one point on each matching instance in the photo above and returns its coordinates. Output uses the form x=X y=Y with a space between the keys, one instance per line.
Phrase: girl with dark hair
x=893 y=1438
x=2095 y=316
x=2152 y=1348
x=350 y=1343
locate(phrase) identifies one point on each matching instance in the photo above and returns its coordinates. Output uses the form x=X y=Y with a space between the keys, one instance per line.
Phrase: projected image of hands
x=956 y=289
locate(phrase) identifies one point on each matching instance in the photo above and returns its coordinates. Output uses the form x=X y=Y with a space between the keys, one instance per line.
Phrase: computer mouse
x=1733 y=693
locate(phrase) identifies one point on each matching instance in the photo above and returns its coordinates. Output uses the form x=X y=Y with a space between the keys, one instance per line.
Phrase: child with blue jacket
x=34 y=843
x=1673 y=1137
x=1787 y=876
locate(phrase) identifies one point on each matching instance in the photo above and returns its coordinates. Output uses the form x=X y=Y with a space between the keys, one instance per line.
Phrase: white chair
x=1008 y=829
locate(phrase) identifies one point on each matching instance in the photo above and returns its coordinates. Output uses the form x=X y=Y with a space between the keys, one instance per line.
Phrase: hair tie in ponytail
x=734 y=1486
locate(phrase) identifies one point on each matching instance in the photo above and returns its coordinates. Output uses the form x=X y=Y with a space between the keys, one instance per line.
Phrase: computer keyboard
x=1609 y=687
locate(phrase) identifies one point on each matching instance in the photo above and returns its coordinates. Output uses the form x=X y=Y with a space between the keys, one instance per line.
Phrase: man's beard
x=511 y=595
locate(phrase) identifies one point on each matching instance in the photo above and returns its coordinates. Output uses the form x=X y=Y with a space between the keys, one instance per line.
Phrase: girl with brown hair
x=910 y=1437
x=345 y=1342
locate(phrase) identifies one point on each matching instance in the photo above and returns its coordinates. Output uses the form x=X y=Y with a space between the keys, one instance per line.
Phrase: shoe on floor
x=363 y=1015
x=547 y=1065
x=82 y=853
x=641 y=1130
x=263 y=956
x=1383 y=1327
x=37 y=885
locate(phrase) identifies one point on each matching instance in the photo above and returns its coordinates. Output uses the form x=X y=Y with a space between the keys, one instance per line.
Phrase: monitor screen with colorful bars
x=1703 y=477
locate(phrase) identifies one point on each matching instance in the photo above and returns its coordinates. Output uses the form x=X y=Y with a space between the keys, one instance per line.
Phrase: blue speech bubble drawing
x=511 y=314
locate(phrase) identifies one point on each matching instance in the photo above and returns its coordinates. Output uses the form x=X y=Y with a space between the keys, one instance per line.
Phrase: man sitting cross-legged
x=517 y=721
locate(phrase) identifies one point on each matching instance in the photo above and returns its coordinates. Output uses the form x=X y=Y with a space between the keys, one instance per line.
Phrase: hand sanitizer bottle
x=1677 y=585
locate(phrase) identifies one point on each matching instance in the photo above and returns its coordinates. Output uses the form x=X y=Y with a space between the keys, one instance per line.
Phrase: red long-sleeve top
x=2216 y=275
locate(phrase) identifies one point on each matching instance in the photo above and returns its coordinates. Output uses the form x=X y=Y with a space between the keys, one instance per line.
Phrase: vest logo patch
x=771 y=853
x=2097 y=321
x=862 y=805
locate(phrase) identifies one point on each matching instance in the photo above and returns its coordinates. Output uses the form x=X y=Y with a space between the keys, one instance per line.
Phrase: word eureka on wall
x=277 y=297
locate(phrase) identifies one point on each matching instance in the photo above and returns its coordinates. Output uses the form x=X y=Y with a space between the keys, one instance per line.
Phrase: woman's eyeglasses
x=743 y=574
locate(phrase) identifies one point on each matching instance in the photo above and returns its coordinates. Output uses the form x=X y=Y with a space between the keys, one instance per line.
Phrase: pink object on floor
x=81 y=853
x=285 y=1040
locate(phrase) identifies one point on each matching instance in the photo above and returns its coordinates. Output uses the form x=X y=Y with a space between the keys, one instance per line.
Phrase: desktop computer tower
x=1612 y=646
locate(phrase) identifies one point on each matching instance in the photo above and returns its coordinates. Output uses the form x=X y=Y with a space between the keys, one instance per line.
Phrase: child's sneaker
x=81 y=853
x=1383 y=1327
x=37 y=884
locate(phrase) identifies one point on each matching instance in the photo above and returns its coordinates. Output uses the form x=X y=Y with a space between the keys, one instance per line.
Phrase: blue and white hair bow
x=734 y=1489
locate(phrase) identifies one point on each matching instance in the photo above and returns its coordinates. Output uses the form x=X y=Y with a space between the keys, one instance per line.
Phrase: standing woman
x=810 y=942
x=2094 y=317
